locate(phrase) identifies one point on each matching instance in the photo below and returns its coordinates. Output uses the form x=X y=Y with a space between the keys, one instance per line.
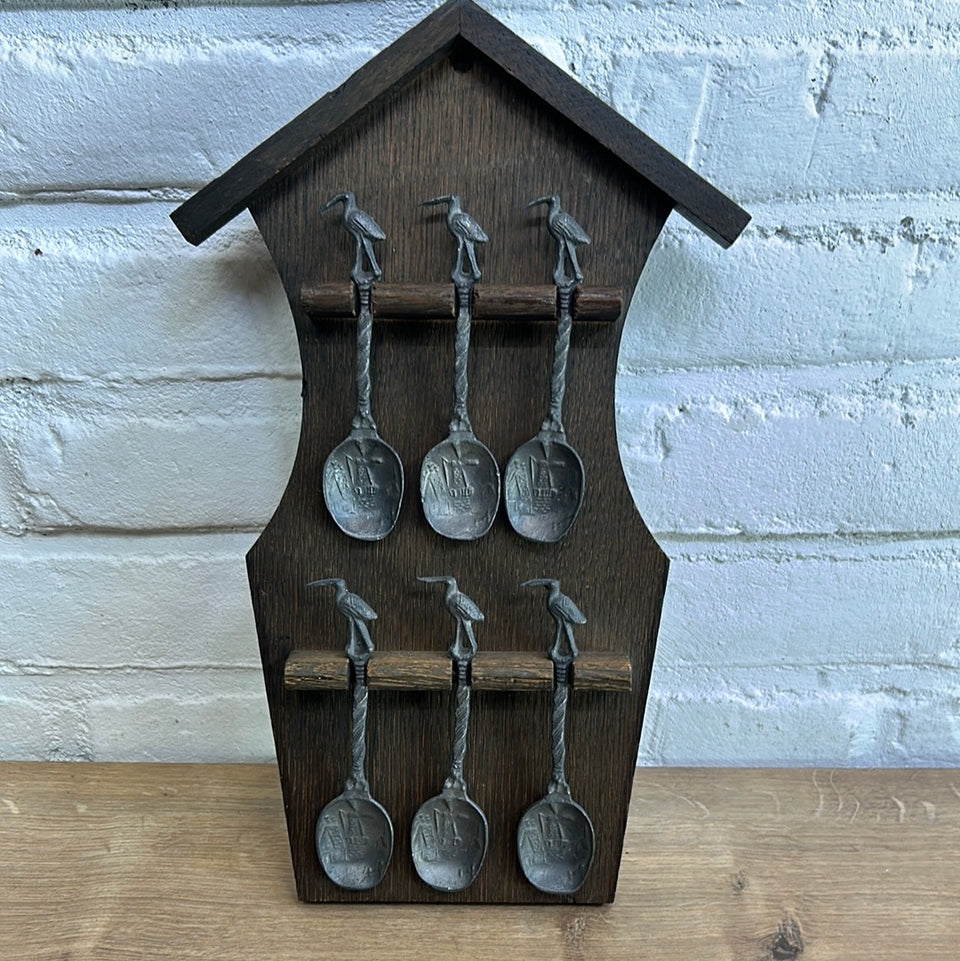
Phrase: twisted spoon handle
x=461 y=722
x=561 y=349
x=558 y=747
x=364 y=416
x=461 y=420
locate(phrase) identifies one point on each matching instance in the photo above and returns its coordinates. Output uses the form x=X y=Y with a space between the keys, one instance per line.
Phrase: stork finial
x=467 y=233
x=357 y=613
x=565 y=614
x=364 y=230
x=568 y=234
x=464 y=611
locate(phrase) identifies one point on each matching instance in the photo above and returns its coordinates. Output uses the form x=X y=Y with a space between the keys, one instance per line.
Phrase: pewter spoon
x=544 y=479
x=354 y=835
x=459 y=477
x=362 y=475
x=448 y=836
x=555 y=839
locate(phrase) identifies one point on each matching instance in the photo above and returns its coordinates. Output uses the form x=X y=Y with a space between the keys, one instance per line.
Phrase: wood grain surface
x=170 y=862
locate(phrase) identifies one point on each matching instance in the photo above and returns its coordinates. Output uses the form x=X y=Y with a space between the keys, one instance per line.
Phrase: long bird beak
x=433 y=201
x=332 y=202
x=325 y=582
x=432 y=579
x=539 y=200
x=539 y=582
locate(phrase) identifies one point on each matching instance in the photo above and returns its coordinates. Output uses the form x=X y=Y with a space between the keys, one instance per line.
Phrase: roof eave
x=458 y=20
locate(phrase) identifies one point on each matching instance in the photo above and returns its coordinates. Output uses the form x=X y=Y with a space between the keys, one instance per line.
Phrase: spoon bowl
x=543 y=488
x=448 y=840
x=460 y=487
x=363 y=485
x=354 y=840
x=555 y=844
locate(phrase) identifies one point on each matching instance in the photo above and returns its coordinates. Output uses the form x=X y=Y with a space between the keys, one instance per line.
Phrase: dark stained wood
x=475 y=132
x=519 y=303
x=415 y=301
x=337 y=301
x=312 y=670
x=511 y=671
x=462 y=29
x=596 y=303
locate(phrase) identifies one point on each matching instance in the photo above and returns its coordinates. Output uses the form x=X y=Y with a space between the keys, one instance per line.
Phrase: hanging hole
x=461 y=58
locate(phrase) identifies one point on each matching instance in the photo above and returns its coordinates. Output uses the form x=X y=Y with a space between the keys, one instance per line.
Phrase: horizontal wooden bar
x=603 y=671
x=438 y=302
x=307 y=670
x=511 y=671
x=316 y=671
x=329 y=300
x=413 y=302
x=409 y=670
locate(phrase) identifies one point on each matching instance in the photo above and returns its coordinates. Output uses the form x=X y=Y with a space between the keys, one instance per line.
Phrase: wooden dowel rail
x=307 y=670
x=333 y=301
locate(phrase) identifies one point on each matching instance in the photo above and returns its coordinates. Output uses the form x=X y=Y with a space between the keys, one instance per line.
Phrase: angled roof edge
x=230 y=193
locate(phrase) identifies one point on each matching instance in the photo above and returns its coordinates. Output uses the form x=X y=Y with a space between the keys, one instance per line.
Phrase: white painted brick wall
x=789 y=409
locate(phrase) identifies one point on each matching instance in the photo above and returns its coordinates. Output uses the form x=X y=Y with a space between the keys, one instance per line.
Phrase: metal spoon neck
x=363 y=427
x=552 y=432
x=364 y=280
x=464 y=282
x=356 y=787
x=460 y=426
x=559 y=788
x=454 y=786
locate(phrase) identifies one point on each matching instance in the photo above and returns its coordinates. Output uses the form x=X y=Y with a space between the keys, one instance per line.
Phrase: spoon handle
x=558 y=746
x=364 y=416
x=461 y=721
x=461 y=420
x=561 y=348
x=358 y=729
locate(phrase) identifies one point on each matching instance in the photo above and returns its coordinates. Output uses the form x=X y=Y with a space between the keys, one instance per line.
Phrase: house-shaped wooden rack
x=460 y=105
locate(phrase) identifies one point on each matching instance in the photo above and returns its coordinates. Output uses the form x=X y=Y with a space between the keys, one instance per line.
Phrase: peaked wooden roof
x=456 y=24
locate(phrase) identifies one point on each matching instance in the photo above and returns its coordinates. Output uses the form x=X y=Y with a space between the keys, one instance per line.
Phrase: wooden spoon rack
x=458 y=105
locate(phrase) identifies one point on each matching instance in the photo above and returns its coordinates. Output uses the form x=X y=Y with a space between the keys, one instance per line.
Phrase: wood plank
x=309 y=670
x=431 y=302
x=168 y=862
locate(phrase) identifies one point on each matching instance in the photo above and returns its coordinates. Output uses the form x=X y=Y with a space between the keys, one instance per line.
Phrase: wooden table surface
x=184 y=862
